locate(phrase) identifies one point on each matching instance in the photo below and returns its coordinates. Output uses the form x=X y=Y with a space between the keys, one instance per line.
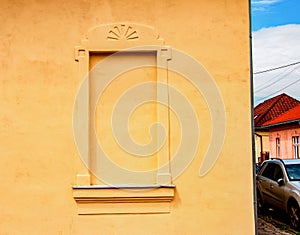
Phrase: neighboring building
x=263 y=113
x=284 y=132
x=187 y=67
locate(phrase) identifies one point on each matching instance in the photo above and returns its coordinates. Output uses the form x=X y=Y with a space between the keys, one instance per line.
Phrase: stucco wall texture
x=39 y=159
x=286 y=142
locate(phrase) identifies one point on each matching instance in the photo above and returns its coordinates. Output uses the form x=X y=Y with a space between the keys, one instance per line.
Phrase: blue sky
x=267 y=13
x=276 y=43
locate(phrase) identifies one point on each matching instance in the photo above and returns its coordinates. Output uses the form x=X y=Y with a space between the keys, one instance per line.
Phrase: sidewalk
x=266 y=228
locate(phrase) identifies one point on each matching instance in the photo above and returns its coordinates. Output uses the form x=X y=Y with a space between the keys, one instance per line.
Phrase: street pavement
x=267 y=228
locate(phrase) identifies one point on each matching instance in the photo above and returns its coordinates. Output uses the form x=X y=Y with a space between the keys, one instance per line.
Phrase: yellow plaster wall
x=265 y=143
x=38 y=85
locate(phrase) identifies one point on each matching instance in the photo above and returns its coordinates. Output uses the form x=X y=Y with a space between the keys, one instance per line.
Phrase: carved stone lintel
x=117 y=36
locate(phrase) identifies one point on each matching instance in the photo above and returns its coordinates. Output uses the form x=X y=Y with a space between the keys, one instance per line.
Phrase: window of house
x=296 y=146
x=278 y=147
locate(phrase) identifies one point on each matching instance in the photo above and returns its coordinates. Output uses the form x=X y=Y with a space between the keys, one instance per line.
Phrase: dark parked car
x=278 y=185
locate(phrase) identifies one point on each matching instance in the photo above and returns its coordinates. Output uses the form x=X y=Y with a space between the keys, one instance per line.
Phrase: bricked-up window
x=113 y=61
x=120 y=74
x=278 y=147
x=103 y=120
x=296 y=146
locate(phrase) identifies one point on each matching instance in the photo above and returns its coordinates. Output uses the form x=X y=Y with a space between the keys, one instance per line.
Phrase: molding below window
x=102 y=199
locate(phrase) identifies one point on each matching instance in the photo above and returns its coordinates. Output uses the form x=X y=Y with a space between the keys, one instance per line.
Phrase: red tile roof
x=291 y=115
x=272 y=108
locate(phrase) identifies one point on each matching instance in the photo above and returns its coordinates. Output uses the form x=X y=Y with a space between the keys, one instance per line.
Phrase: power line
x=279 y=90
x=275 y=80
x=279 y=67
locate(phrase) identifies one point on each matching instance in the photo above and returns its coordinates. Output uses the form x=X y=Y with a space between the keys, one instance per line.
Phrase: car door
x=276 y=190
x=271 y=191
x=264 y=180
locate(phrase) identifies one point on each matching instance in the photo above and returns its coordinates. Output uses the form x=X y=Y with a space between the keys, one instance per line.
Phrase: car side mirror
x=280 y=182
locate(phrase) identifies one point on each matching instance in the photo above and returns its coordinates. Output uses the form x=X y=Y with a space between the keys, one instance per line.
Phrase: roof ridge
x=273 y=108
x=272 y=104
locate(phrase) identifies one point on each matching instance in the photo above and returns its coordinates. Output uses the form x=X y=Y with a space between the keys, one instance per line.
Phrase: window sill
x=102 y=199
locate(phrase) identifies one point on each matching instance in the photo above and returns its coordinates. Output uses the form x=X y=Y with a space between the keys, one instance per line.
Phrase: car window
x=261 y=167
x=293 y=171
x=268 y=171
x=273 y=171
x=278 y=174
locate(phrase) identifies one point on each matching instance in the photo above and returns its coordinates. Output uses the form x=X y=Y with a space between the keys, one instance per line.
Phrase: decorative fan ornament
x=122 y=32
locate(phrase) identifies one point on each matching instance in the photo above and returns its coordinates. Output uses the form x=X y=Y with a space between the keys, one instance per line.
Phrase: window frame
x=277 y=141
x=295 y=143
x=106 y=199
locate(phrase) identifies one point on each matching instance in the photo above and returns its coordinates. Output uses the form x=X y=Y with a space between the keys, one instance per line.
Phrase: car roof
x=287 y=161
x=291 y=161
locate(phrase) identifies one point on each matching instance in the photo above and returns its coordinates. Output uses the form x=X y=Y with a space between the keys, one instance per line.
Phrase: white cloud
x=262 y=5
x=274 y=47
x=264 y=2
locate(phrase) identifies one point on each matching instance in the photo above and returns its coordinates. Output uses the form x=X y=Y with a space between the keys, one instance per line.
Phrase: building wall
x=262 y=143
x=39 y=82
x=286 y=141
